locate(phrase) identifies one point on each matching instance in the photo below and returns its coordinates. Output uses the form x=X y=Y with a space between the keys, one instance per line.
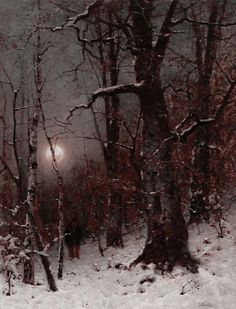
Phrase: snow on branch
x=87 y=12
x=192 y=121
x=108 y=91
x=72 y=21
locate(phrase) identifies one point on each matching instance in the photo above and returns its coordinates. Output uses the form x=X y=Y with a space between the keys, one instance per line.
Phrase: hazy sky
x=61 y=91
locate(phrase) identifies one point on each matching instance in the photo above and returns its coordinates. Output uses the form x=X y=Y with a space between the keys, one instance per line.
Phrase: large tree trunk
x=167 y=241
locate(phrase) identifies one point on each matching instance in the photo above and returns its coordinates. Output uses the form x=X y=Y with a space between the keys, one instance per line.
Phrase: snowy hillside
x=94 y=282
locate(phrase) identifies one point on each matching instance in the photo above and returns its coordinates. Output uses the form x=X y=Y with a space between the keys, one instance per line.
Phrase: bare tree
x=31 y=192
x=109 y=64
x=206 y=58
x=60 y=200
x=168 y=235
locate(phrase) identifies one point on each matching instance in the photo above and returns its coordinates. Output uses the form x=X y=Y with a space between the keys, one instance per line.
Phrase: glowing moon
x=59 y=153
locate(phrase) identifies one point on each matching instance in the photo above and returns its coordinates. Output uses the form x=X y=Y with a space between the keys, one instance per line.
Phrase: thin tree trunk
x=200 y=182
x=33 y=166
x=61 y=229
x=115 y=212
x=115 y=220
x=38 y=241
x=60 y=201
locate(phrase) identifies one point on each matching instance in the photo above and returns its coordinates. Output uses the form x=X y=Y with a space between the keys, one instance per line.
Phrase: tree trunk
x=60 y=201
x=167 y=241
x=40 y=247
x=115 y=220
x=61 y=232
x=200 y=182
x=115 y=213
x=33 y=232
x=33 y=166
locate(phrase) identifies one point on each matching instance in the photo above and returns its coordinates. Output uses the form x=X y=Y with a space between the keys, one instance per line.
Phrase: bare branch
x=72 y=21
x=6 y=167
x=165 y=32
x=192 y=121
x=109 y=91
x=207 y=23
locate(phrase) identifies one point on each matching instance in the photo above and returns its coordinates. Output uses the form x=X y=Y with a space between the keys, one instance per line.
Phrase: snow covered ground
x=90 y=283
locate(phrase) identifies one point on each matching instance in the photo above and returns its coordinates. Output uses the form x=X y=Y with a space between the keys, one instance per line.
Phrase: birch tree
x=34 y=238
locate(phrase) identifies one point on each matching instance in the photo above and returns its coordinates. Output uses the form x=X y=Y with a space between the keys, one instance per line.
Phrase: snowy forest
x=117 y=154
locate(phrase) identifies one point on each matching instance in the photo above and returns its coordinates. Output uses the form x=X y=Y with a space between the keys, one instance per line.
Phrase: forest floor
x=89 y=282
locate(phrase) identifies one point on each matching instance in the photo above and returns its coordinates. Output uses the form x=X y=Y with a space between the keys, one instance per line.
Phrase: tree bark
x=200 y=182
x=40 y=247
x=60 y=201
x=34 y=236
x=110 y=151
x=167 y=241
x=115 y=220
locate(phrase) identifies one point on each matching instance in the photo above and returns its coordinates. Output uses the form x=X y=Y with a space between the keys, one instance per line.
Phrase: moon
x=59 y=153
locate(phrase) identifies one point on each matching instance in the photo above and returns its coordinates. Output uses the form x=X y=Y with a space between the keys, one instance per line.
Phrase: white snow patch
x=94 y=282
